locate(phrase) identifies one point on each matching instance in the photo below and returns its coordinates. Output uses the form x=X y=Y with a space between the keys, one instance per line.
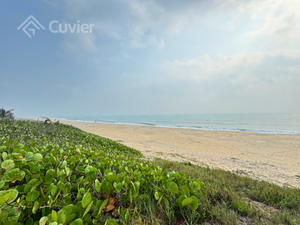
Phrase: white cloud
x=139 y=23
x=126 y=21
x=280 y=16
x=237 y=68
x=144 y=16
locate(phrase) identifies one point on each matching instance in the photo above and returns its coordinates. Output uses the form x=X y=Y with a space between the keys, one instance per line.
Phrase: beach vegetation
x=61 y=175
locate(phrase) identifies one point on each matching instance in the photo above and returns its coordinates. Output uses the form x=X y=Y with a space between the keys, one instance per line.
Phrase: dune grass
x=234 y=199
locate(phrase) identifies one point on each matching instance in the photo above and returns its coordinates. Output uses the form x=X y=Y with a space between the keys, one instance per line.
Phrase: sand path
x=270 y=157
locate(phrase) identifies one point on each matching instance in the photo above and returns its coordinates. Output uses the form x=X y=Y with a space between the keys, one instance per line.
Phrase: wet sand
x=270 y=157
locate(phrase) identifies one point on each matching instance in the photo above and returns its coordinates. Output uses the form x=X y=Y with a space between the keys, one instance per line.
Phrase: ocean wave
x=247 y=130
x=185 y=127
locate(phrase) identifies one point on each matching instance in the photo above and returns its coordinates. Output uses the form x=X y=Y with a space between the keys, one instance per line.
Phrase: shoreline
x=270 y=157
x=191 y=128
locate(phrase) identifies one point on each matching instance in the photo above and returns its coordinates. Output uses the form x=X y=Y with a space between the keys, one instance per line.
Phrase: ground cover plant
x=57 y=174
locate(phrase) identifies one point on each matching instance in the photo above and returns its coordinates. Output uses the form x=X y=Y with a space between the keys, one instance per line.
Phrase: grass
x=231 y=198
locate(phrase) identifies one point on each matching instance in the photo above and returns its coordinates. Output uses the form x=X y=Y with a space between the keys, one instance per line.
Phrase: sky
x=150 y=57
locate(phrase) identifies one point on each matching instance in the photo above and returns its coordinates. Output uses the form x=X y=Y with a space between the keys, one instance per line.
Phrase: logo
x=28 y=22
x=31 y=24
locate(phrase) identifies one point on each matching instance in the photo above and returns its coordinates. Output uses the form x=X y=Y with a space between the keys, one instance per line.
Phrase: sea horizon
x=273 y=123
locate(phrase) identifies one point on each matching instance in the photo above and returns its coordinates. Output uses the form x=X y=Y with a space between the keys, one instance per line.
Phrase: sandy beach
x=270 y=157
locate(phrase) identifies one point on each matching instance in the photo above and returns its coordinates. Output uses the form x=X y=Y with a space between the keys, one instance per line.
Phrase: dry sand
x=270 y=157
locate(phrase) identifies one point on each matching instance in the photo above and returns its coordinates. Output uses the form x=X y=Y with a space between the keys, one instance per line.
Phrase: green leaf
x=97 y=207
x=54 y=216
x=77 y=222
x=119 y=187
x=71 y=217
x=87 y=209
x=8 y=196
x=187 y=201
x=180 y=199
x=29 y=221
x=112 y=178
x=86 y=199
x=14 y=175
x=68 y=209
x=61 y=217
x=173 y=187
x=2 y=183
x=34 y=167
x=8 y=164
x=43 y=220
x=107 y=171
x=4 y=154
x=127 y=217
x=68 y=171
x=53 y=223
x=32 y=196
x=111 y=222
x=36 y=157
x=194 y=204
x=156 y=195
x=53 y=190
x=73 y=178
x=104 y=203
x=49 y=176
x=32 y=185
x=106 y=187
x=61 y=185
x=97 y=185
x=80 y=193
x=3 y=214
x=122 y=175
x=89 y=168
x=35 y=207
x=185 y=190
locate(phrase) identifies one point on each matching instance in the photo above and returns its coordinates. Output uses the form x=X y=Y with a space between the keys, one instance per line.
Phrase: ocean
x=262 y=123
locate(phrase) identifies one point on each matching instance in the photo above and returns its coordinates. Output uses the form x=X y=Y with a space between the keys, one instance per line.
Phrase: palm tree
x=6 y=114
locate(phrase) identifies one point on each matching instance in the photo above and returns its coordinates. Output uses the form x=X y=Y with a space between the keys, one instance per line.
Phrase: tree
x=7 y=114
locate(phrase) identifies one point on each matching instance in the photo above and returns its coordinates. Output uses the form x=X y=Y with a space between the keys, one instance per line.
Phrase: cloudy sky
x=151 y=57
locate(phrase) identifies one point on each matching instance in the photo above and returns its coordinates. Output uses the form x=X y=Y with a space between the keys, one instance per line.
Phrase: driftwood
x=48 y=121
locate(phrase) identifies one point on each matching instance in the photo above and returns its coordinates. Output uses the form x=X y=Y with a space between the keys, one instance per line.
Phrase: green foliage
x=231 y=197
x=61 y=175
x=8 y=196
x=124 y=216
x=241 y=207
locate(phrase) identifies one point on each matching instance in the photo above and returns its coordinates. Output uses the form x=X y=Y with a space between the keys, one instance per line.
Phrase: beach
x=270 y=157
